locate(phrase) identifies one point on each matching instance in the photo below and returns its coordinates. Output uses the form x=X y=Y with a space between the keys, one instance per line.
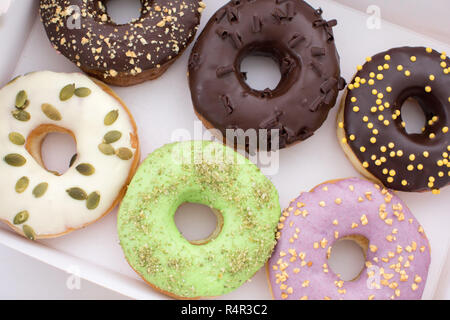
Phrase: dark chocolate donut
x=293 y=34
x=371 y=127
x=124 y=54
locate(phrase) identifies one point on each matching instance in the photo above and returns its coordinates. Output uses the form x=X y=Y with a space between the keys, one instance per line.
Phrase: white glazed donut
x=41 y=204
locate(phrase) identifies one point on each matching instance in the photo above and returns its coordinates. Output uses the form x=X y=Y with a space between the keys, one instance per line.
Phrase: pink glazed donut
x=396 y=248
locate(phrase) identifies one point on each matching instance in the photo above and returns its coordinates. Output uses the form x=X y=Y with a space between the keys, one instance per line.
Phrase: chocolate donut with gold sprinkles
x=125 y=54
x=373 y=133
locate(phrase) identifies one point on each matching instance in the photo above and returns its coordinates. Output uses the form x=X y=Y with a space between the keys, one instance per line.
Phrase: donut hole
x=347 y=257
x=57 y=151
x=197 y=223
x=260 y=72
x=123 y=11
x=52 y=147
x=413 y=116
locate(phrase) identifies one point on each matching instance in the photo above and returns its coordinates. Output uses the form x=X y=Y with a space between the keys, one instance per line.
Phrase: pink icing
x=397 y=260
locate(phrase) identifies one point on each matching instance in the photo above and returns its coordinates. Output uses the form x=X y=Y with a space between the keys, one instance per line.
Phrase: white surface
x=429 y=17
x=164 y=105
x=15 y=26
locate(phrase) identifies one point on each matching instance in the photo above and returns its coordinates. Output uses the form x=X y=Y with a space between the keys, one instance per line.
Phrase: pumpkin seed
x=40 y=189
x=111 y=117
x=77 y=193
x=15 y=160
x=21 y=217
x=93 y=200
x=82 y=92
x=22 y=184
x=51 y=112
x=124 y=153
x=67 y=92
x=21 y=98
x=16 y=138
x=73 y=159
x=26 y=105
x=29 y=232
x=112 y=136
x=106 y=149
x=85 y=169
x=21 y=115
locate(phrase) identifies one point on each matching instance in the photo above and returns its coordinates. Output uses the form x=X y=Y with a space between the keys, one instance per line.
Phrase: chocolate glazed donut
x=125 y=54
x=293 y=34
x=373 y=133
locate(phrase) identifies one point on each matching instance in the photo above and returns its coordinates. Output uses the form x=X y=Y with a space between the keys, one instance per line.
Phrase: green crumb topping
x=213 y=175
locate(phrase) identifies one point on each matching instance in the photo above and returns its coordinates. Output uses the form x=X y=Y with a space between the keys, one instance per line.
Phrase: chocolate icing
x=412 y=162
x=293 y=34
x=158 y=36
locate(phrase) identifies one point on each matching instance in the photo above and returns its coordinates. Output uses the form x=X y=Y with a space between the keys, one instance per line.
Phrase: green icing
x=205 y=173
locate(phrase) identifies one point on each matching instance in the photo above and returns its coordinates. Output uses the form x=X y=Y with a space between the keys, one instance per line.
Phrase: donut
x=396 y=249
x=297 y=38
x=209 y=173
x=371 y=129
x=125 y=54
x=39 y=203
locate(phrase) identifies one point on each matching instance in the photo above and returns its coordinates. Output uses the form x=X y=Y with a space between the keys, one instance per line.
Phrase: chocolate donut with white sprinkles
x=125 y=54
x=371 y=128
x=295 y=36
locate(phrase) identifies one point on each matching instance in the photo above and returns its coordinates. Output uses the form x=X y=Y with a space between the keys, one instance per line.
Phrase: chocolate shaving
x=332 y=23
x=227 y=103
x=319 y=23
x=295 y=40
x=236 y=39
x=329 y=97
x=317 y=51
x=232 y=14
x=222 y=71
x=328 y=25
x=222 y=32
x=330 y=36
x=315 y=105
x=317 y=67
x=290 y=10
x=257 y=24
x=220 y=14
x=290 y=133
x=328 y=85
x=279 y=14
x=287 y=64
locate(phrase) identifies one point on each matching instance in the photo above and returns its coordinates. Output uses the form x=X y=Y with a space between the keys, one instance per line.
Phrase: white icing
x=56 y=211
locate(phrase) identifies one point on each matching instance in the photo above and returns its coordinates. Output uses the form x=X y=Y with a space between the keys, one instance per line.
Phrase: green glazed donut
x=214 y=175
